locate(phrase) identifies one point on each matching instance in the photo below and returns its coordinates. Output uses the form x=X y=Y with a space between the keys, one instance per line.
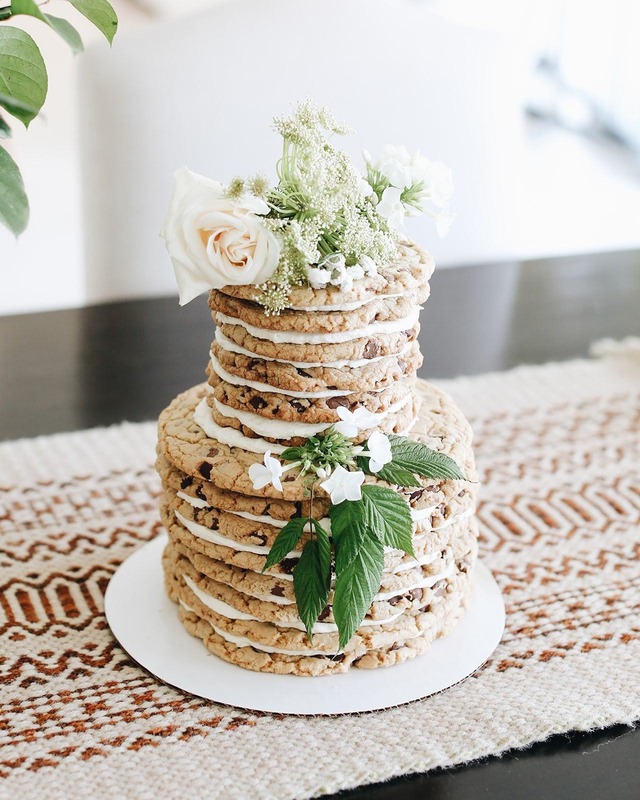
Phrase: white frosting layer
x=225 y=610
x=281 y=429
x=232 y=347
x=423 y=584
x=416 y=562
x=347 y=306
x=196 y=502
x=202 y=532
x=230 y=436
x=267 y=387
x=303 y=337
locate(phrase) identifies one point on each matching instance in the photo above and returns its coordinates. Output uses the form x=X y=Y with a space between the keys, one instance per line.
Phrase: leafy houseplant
x=24 y=82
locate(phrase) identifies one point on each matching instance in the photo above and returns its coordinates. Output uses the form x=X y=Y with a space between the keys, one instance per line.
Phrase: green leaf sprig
x=24 y=85
x=353 y=554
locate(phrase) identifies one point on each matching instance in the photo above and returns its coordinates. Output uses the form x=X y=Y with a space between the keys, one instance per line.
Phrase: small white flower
x=344 y=485
x=368 y=265
x=391 y=207
x=353 y=421
x=397 y=165
x=379 y=448
x=318 y=278
x=268 y=472
x=323 y=473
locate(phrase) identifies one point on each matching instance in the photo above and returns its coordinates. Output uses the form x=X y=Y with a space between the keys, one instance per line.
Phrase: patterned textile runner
x=558 y=448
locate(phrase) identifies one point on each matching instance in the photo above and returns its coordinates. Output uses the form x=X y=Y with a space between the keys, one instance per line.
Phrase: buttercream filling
x=230 y=436
x=196 y=502
x=336 y=337
x=226 y=610
x=232 y=347
x=281 y=429
x=347 y=306
x=234 y=380
x=202 y=532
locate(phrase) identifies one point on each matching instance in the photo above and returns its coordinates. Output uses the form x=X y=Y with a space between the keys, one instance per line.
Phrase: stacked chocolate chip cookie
x=274 y=380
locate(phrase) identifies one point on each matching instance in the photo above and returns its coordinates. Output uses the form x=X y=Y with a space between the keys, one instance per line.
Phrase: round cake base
x=146 y=623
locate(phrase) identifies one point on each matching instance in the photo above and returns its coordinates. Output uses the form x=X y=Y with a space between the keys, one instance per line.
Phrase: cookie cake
x=319 y=499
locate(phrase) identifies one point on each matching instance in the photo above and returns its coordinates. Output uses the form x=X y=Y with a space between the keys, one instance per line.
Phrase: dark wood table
x=67 y=370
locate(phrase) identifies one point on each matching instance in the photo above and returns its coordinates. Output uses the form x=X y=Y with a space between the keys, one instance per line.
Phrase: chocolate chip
x=304 y=374
x=425 y=608
x=259 y=537
x=205 y=470
x=403 y=365
x=439 y=588
x=186 y=482
x=462 y=493
x=298 y=505
x=371 y=349
x=415 y=594
x=213 y=452
x=278 y=591
x=288 y=565
x=334 y=402
x=200 y=493
x=415 y=495
x=410 y=334
x=214 y=524
x=257 y=402
x=333 y=388
x=338 y=657
x=253 y=363
x=433 y=487
x=393 y=601
x=324 y=613
x=299 y=407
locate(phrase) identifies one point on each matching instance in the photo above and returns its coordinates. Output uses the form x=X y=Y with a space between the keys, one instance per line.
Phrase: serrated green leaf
x=391 y=473
x=417 y=457
x=356 y=587
x=23 y=75
x=14 y=205
x=101 y=14
x=348 y=529
x=312 y=579
x=60 y=26
x=285 y=541
x=388 y=517
x=5 y=130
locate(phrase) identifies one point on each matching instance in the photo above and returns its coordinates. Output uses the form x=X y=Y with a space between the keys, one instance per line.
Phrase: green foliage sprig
x=352 y=555
x=24 y=84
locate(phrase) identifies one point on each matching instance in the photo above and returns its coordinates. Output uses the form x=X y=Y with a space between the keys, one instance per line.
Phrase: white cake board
x=146 y=624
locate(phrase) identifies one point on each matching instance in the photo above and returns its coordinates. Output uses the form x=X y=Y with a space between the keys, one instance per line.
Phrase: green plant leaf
x=417 y=457
x=391 y=473
x=11 y=105
x=67 y=32
x=23 y=75
x=5 y=130
x=291 y=454
x=312 y=579
x=101 y=14
x=14 y=205
x=348 y=529
x=60 y=26
x=285 y=541
x=387 y=516
x=356 y=587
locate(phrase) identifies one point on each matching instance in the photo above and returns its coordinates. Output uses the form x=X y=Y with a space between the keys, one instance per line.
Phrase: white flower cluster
x=333 y=271
x=405 y=184
x=339 y=483
x=323 y=224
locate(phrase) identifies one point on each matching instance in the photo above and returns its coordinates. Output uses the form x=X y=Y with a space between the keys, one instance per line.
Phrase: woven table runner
x=558 y=448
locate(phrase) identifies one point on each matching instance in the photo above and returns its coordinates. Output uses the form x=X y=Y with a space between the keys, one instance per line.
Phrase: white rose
x=216 y=241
